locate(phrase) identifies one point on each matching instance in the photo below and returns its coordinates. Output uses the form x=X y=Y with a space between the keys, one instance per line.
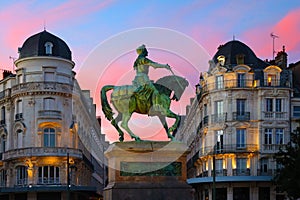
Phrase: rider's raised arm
x=155 y=64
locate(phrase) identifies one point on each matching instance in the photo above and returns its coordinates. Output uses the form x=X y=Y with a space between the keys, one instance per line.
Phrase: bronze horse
x=127 y=101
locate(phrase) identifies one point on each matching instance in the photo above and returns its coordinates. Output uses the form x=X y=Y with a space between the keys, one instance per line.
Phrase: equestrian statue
x=144 y=97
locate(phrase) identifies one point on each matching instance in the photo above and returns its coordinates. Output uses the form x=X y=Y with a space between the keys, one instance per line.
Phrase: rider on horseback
x=145 y=88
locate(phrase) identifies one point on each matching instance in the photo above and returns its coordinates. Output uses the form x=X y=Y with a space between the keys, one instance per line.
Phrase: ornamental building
x=243 y=112
x=51 y=146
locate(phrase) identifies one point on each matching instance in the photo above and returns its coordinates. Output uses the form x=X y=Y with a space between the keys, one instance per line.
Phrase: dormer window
x=240 y=59
x=48 y=48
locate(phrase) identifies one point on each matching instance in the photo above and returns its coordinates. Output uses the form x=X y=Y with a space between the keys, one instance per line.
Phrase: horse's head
x=174 y=83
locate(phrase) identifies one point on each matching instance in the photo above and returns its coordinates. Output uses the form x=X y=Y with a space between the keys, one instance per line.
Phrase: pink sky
x=85 y=25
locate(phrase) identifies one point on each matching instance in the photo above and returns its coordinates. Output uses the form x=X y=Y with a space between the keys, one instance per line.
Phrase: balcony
x=241 y=172
x=274 y=83
x=22 y=182
x=220 y=172
x=53 y=114
x=41 y=151
x=275 y=115
x=272 y=148
x=269 y=172
x=231 y=148
x=219 y=118
x=202 y=124
x=241 y=116
x=48 y=181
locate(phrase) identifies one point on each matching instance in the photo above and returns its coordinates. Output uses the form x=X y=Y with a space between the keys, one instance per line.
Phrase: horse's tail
x=104 y=103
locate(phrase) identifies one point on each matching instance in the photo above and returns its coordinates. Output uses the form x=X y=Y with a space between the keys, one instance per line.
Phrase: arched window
x=49 y=137
x=21 y=175
x=48 y=48
x=48 y=175
x=20 y=138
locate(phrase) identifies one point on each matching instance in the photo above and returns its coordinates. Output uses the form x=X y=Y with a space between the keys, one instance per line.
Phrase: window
x=268 y=136
x=19 y=138
x=205 y=110
x=219 y=82
x=240 y=106
x=49 y=104
x=271 y=80
x=48 y=48
x=279 y=135
x=241 y=163
x=241 y=80
x=269 y=105
x=2 y=116
x=296 y=111
x=3 y=143
x=49 y=137
x=3 y=178
x=219 y=144
x=264 y=166
x=21 y=175
x=19 y=109
x=278 y=104
x=219 y=107
x=48 y=175
x=241 y=138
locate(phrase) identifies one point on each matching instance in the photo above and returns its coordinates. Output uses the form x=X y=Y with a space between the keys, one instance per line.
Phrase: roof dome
x=45 y=44
x=234 y=49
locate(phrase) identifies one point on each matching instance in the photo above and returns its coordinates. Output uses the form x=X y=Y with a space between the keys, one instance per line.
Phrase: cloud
x=23 y=19
x=288 y=30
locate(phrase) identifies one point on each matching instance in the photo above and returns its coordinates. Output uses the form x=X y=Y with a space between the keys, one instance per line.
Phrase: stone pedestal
x=147 y=170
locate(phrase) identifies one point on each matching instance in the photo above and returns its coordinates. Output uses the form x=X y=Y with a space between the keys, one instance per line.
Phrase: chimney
x=281 y=59
x=6 y=73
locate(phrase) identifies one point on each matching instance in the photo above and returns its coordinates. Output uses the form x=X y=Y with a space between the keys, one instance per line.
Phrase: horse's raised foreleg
x=173 y=129
x=124 y=124
x=165 y=125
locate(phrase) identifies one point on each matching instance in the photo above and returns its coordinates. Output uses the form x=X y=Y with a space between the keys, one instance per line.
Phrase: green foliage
x=288 y=178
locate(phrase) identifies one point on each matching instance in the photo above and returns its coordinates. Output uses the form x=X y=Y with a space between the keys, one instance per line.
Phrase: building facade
x=51 y=146
x=244 y=111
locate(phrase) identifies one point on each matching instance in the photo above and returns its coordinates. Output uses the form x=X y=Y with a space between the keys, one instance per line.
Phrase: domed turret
x=235 y=52
x=45 y=44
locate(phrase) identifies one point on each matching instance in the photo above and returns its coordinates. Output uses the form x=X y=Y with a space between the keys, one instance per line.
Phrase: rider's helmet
x=141 y=49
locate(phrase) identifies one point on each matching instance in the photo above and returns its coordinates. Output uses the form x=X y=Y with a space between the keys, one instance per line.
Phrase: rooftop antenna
x=13 y=62
x=274 y=37
x=233 y=37
x=44 y=25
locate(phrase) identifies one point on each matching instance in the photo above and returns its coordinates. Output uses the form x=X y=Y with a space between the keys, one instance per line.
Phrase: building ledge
x=230 y=179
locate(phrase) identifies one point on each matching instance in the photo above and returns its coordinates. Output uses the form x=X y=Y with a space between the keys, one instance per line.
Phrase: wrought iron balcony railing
x=241 y=172
x=231 y=148
x=219 y=118
x=241 y=116
x=18 y=116
x=275 y=115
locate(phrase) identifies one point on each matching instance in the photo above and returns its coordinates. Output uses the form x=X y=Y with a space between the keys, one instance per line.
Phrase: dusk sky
x=89 y=25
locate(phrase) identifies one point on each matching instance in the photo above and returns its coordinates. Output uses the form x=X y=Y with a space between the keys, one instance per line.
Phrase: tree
x=288 y=178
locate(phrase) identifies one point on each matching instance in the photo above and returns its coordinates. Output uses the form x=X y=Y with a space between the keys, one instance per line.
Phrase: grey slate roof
x=35 y=46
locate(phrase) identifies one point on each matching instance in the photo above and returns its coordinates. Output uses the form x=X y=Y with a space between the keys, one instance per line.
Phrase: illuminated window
x=49 y=137
x=271 y=80
x=48 y=175
x=21 y=175
x=48 y=48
